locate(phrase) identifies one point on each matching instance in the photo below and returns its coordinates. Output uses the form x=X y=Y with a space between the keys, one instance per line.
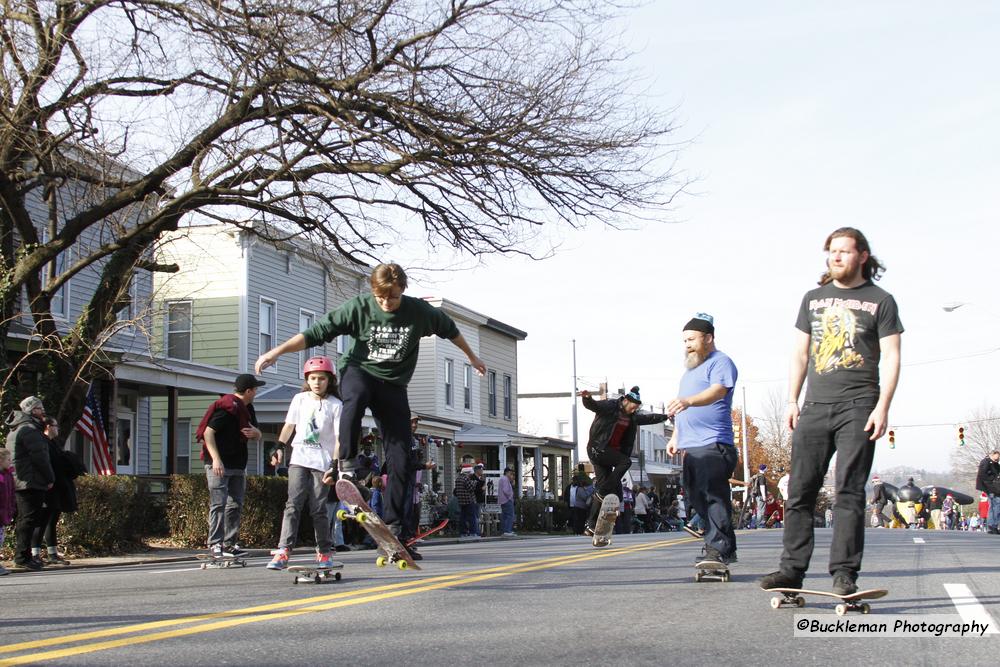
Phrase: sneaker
x=780 y=579
x=280 y=560
x=510 y=534
x=234 y=551
x=29 y=565
x=341 y=548
x=323 y=561
x=414 y=554
x=3 y=571
x=843 y=584
x=56 y=559
x=216 y=551
x=694 y=532
x=709 y=554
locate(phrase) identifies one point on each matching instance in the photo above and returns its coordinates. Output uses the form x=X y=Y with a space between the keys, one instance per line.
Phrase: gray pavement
x=534 y=601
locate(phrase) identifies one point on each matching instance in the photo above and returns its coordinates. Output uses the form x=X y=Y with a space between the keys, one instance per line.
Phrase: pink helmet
x=318 y=364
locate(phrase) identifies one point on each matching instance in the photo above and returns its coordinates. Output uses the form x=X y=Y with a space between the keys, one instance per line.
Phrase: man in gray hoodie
x=34 y=474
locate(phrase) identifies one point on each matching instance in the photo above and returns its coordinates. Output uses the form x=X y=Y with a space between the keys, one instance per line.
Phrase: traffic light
x=892 y=440
x=961 y=436
x=736 y=434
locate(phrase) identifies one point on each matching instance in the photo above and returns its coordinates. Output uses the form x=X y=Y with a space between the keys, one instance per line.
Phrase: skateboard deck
x=853 y=602
x=391 y=549
x=310 y=574
x=711 y=569
x=429 y=531
x=606 y=520
x=693 y=532
x=208 y=561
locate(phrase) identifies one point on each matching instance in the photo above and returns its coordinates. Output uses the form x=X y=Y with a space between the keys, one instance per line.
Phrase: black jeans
x=825 y=429
x=706 y=472
x=31 y=514
x=391 y=408
x=610 y=466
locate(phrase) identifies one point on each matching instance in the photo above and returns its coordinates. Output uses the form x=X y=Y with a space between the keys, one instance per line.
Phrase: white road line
x=918 y=540
x=969 y=608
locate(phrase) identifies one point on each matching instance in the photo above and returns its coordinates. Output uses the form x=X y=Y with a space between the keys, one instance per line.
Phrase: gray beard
x=693 y=360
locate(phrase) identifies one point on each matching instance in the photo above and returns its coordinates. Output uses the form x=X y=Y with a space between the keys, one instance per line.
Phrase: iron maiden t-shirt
x=845 y=326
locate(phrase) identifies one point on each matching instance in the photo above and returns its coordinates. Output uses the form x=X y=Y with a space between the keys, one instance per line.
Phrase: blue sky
x=802 y=118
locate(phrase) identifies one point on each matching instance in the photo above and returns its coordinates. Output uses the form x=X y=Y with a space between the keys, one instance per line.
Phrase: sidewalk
x=179 y=555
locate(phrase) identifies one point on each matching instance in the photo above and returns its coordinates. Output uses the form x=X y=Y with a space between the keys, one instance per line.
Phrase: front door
x=125 y=442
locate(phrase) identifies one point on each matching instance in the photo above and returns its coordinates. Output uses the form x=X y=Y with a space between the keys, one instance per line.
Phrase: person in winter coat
x=34 y=474
x=60 y=499
x=7 y=498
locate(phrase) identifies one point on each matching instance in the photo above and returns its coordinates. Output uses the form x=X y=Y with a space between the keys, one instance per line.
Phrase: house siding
x=499 y=353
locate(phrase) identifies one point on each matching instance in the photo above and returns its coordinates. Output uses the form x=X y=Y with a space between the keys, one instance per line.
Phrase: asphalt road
x=535 y=601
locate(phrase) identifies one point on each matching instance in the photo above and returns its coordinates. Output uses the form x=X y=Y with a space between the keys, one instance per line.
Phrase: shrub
x=114 y=515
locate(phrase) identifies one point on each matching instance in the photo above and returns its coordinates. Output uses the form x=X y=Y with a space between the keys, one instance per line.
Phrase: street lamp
x=953 y=306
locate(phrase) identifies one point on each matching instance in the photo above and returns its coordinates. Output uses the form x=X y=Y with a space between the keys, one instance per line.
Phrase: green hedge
x=263 y=508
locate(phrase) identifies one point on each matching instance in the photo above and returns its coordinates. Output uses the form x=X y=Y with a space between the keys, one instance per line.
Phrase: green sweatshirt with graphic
x=384 y=345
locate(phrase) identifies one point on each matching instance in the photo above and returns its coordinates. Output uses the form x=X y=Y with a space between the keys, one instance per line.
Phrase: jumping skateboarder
x=385 y=327
x=846 y=327
x=612 y=435
x=703 y=428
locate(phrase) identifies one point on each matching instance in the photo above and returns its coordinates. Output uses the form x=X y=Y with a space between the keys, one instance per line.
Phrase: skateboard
x=391 y=551
x=711 y=569
x=853 y=602
x=692 y=531
x=208 y=561
x=308 y=573
x=429 y=531
x=606 y=520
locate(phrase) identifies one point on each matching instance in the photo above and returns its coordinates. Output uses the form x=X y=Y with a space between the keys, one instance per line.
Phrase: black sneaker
x=29 y=565
x=780 y=579
x=709 y=554
x=342 y=548
x=234 y=551
x=413 y=554
x=844 y=584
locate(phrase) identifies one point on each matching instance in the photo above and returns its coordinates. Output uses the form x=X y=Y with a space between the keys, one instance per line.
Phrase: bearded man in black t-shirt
x=847 y=328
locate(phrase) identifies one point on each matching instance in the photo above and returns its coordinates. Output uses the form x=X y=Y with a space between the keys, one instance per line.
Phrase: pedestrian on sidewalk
x=33 y=470
x=609 y=446
x=60 y=499
x=757 y=488
x=948 y=512
x=8 y=499
x=226 y=427
x=465 y=494
x=505 y=498
x=703 y=429
x=847 y=329
x=311 y=428
x=988 y=481
x=642 y=510
x=385 y=329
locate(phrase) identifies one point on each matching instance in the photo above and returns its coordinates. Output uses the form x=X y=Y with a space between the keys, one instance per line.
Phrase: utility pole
x=743 y=429
x=576 y=442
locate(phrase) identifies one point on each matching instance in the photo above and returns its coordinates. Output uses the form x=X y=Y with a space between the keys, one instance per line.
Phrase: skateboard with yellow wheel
x=392 y=552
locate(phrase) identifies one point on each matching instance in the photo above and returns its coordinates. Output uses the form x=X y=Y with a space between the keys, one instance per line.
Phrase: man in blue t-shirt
x=703 y=430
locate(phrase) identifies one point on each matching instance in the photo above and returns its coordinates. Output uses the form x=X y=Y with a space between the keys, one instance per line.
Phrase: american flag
x=92 y=426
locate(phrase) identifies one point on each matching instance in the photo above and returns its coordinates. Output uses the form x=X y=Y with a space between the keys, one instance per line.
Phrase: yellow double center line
x=154 y=631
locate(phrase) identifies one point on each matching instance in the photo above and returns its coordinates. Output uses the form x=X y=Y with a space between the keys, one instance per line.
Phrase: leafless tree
x=775 y=438
x=982 y=436
x=346 y=121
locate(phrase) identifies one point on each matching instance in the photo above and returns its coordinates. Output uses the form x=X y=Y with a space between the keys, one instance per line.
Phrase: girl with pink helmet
x=312 y=428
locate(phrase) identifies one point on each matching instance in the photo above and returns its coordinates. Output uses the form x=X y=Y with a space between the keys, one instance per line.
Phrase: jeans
x=706 y=472
x=467 y=523
x=391 y=408
x=993 y=517
x=610 y=466
x=305 y=486
x=507 y=517
x=225 y=505
x=31 y=514
x=335 y=524
x=825 y=429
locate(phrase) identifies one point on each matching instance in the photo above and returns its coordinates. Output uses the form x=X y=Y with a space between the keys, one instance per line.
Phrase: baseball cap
x=246 y=381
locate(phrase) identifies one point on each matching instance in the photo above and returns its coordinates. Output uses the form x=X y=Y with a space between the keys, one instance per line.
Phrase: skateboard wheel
x=841 y=609
x=204 y=566
x=316 y=579
x=402 y=565
x=866 y=608
x=775 y=603
x=295 y=581
x=800 y=602
x=697 y=577
x=342 y=515
x=361 y=517
x=336 y=577
x=381 y=561
x=725 y=576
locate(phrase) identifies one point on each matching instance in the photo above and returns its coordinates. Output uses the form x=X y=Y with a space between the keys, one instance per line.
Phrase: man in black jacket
x=988 y=481
x=612 y=436
x=34 y=474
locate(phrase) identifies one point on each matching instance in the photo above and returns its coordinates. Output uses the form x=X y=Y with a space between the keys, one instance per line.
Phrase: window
x=491 y=388
x=343 y=343
x=507 y=408
x=179 y=330
x=306 y=320
x=266 y=325
x=449 y=366
x=59 y=303
x=562 y=429
x=183 y=453
x=467 y=388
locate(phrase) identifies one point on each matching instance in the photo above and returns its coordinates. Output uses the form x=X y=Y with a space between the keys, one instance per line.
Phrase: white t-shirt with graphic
x=317 y=428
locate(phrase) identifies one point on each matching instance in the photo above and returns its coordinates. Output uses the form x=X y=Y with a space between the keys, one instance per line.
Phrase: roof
x=481 y=433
